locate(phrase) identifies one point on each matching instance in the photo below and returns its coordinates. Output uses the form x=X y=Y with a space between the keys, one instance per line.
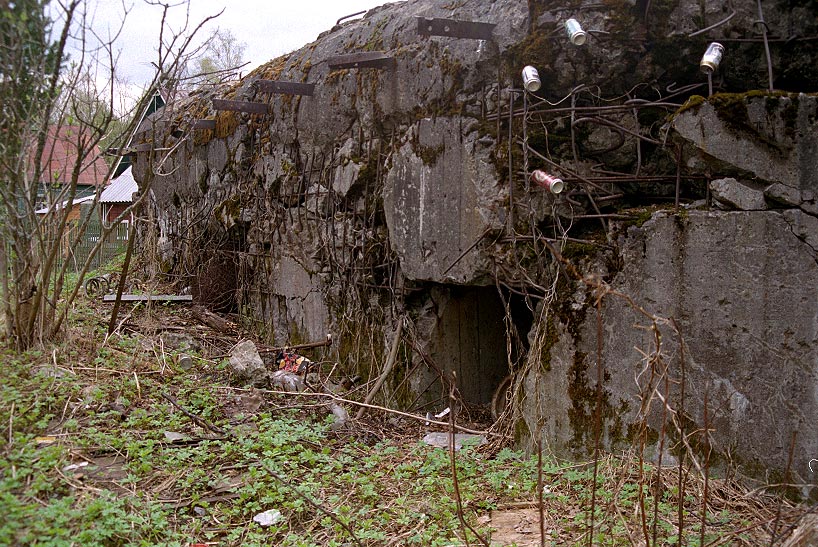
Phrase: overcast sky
x=269 y=27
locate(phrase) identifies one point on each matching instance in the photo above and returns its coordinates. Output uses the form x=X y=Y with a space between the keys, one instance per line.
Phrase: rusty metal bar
x=362 y=59
x=454 y=28
x=241 y=106
x=309 y=345
x=598 y=109
x=285 y=88
x=510 y=220
x=679 y=174
x=338 y=22
x=764 y=29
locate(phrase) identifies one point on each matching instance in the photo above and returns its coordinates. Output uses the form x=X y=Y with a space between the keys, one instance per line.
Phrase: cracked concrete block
x=247 y=364
x=804 y=226
x=737 y=194
x=776 y=139
x=440 y=197
x=742 y=287
x=781 y=193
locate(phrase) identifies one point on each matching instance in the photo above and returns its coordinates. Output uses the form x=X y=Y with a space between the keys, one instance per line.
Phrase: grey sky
x=269 y=27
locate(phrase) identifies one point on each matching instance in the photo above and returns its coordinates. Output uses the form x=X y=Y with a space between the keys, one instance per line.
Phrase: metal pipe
x=510 y=219
x=614 y=108
x=713 y=26
x=338 y=22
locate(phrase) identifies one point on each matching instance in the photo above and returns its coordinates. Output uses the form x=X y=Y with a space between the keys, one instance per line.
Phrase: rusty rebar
x=764 y=29
x=510 y=220
x=610 y=108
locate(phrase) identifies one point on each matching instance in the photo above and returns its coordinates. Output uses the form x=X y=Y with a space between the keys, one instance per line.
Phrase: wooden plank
x=241 y=106
x=363 y=59
x=149 y=298
x=285 y=88
x=204 y=124
x=454 y=28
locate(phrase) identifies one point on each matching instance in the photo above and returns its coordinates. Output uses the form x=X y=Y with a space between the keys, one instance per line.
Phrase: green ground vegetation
x=94 y=453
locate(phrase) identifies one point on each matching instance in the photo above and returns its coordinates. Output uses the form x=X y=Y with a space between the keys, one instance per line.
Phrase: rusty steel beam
x=241 y=106
x=363 y=59
x=453 y=28
x=286 y=88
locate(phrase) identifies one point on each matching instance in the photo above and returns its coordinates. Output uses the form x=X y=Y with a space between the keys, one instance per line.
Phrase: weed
x=103 y=472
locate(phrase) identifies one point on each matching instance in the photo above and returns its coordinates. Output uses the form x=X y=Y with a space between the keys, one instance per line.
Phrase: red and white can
x=552 y=184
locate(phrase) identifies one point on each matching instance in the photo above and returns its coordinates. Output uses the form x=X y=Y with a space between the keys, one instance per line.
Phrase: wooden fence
x=113 y=244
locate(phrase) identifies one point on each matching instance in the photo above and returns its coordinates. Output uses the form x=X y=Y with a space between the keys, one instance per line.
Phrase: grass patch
x=86 y=460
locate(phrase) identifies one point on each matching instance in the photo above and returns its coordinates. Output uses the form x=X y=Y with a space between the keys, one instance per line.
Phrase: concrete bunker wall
x=405 y=194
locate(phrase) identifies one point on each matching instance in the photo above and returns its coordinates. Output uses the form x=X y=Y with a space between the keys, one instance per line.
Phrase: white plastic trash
x=269 y=517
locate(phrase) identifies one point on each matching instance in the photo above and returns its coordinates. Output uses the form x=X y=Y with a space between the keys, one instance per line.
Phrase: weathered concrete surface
x=740 y=195
x=441 y=196
x=345 y=211
x=743 y=289
x=772 y=138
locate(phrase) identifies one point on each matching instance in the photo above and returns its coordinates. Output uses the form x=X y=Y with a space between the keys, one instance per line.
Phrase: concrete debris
x=783 y=194
x=246 y=363
x=287 y=381
x=440 y=439
x=179 y=341
x=737 y=194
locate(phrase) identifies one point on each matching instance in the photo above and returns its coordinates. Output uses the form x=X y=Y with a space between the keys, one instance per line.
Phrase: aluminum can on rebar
x=575 y=32
x=552 y=184
x=531 y=79
x=712 y=57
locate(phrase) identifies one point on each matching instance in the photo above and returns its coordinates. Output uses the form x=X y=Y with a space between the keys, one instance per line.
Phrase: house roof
x=62 y=146
x=121 y=189
x=157 y=101
x=57 y=207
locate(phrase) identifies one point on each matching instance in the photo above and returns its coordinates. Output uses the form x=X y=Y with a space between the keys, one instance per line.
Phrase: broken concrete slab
x=774 y=137
x=441 y=439
x=440 y=197
x=742 y=286
x=739 y=195
x=783 y=194
x=246 y=363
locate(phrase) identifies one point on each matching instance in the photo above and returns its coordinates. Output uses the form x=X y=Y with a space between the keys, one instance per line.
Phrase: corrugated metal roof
x=121 y=189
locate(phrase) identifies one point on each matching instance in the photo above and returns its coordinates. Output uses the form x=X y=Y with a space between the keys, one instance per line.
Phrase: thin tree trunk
x=122 y=277
x=4 y=288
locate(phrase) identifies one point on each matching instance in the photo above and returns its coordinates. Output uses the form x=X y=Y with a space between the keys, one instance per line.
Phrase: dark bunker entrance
x=470 y=340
